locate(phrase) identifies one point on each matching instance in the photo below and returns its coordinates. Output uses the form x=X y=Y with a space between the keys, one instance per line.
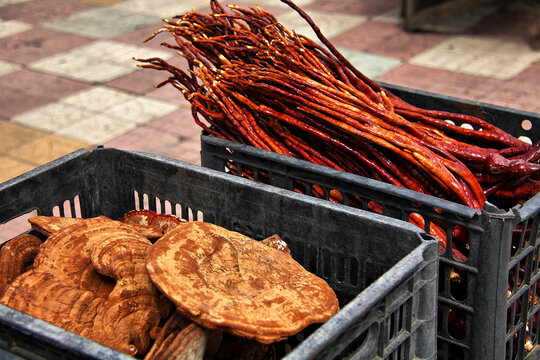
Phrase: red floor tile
x=139 y=83
x=137 y=37
x=41 y=11
x=40 y=84
x=530 y=75
x=520 y=96
x=387 y=39
x=14 y=102
x=180 y=123
x=35 y=44
x=189 y=151
x=274 y=10
x=168 y=93
x=441 y=81
x=411 y=76
x=354 y=7
x=144 y=138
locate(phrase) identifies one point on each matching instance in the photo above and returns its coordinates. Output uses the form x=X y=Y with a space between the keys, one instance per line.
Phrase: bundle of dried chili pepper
x=250 y=80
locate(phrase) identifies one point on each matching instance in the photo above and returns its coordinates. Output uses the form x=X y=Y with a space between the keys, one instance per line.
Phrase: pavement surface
x=68 y=80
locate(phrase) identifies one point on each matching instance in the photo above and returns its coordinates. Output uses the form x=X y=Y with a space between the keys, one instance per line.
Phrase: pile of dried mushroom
x=199 y=289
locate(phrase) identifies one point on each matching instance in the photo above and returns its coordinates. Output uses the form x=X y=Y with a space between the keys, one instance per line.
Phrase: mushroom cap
x=90 y=278
x=225 y=280
x=48 y=225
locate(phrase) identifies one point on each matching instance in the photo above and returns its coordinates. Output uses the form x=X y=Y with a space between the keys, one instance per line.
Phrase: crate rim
x=82 y=153
x=354 y=179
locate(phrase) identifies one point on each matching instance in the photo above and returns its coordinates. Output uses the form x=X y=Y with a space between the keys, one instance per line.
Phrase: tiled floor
x=68 y=80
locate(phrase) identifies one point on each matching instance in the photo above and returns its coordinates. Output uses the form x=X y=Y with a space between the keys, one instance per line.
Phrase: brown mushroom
x=227 y=281
x=90 y=278
x=16 y=256
x=50 y=224
x=181 y=338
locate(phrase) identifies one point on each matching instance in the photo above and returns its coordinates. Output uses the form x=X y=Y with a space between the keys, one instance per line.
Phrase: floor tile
x=41 y=84
x=12 y=27
x=101 y=2
x=387 y=39
x=412 y=76
x=14 y=135
x=188 y=151
x=88 y=63
x=91 y=70
x=463 y=86
x=531 y=75
x=52 y=117
x=392 y=15
x=140 y=82
x=138 y=36
x=11 y=2
x=263 y=3
x=145 y=139
x=102 y=23
x=369 y=64
x=485 y=57
x=10 y=167
x=516 y=95
x=330 y=25
x=39 y=43
x=140 y=110
x=15 y=102
x=168 y=93
x=162 y=8
x=365 y=7
x=91 y=116
x=120 y=53
x=41 y=11
x=46 y=149
x=179 y=123
x=119 y=104
x=97 y=129
x=98 y=99
x=8 y=67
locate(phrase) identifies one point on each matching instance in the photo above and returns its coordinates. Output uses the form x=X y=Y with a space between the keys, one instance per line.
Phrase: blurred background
x=68 y=80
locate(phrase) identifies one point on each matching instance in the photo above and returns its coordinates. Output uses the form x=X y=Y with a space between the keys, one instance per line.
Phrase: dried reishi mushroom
x=165 y=222
x=227 y=281
x=50 y=224
x=90 y=278
x=181 y=338
x=16 y=256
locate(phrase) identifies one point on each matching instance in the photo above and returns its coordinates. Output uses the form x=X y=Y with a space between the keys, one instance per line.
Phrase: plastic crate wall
x=389 y=291
x=490 y=301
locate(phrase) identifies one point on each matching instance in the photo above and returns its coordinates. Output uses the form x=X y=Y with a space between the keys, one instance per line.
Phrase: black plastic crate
x=384 y=270
x=487 y=304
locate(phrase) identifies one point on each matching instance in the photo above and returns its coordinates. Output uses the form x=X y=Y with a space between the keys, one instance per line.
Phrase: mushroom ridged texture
x=90 y=278
x=227 y=281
